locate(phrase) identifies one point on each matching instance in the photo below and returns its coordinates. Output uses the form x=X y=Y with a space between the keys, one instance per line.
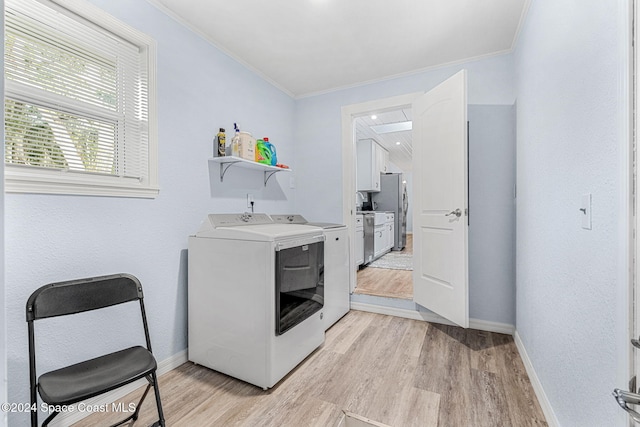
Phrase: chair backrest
x=76 y=296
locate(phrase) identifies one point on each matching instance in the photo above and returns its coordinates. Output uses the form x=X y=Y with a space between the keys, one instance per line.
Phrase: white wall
x=571 y=70
x=492 y=213
x=319 y=191
x=51 y=238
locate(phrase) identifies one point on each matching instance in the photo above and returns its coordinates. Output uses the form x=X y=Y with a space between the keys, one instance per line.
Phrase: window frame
x=30 y=179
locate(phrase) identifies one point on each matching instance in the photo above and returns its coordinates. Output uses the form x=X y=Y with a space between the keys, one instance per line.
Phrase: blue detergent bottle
x=272 y=149
x=263 y=153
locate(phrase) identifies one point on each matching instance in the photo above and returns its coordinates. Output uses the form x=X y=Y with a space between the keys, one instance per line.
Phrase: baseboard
x=483 y=325
x=552 y=421
x=66 y=419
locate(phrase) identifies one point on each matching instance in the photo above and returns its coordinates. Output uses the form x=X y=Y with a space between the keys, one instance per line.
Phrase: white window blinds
x=76 y=98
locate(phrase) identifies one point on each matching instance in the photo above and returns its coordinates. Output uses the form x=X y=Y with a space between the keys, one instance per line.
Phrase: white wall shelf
x=228 y=161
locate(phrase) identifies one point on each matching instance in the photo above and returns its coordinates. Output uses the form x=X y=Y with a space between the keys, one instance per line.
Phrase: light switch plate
x=585 y=211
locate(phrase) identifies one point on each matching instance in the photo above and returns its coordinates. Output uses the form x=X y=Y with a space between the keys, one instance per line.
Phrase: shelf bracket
x=267 y=175
x=223 y=169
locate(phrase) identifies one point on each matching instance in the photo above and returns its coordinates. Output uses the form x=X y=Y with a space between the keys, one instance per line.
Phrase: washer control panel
x=232 y=220
x=289 y=219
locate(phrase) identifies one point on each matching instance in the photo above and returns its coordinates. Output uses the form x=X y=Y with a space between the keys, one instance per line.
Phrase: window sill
x=18 y=180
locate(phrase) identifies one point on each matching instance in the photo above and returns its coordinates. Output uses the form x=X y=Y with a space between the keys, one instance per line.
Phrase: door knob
x=457 y=213
x=624 y=398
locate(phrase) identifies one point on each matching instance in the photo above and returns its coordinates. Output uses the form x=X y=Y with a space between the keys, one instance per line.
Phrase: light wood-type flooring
x=383 y=282
x=392 y=370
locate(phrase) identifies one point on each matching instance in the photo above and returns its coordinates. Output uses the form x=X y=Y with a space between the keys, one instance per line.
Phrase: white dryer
x=255 y=296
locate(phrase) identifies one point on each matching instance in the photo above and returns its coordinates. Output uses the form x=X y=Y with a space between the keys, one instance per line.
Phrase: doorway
x=389 y=273
x=350 y=115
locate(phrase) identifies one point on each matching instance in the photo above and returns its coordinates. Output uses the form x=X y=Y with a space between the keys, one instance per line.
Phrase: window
x=79 y=102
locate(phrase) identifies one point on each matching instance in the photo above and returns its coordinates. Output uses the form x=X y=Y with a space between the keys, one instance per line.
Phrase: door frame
x=349 y=114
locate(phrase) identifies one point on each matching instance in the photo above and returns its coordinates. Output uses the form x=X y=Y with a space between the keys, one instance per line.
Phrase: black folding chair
x=75 y=383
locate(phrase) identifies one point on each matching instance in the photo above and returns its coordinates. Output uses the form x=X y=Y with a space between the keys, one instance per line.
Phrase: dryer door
x=299 y=283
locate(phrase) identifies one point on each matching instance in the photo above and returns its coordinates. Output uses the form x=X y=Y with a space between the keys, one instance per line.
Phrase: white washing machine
x=255 y=296
x=336 y=260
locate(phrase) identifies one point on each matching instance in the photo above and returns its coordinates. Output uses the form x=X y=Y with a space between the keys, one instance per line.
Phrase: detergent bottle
x=272 y=149
x=263 y=153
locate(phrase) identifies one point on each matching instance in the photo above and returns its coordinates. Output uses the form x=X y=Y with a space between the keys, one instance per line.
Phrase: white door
x=440 y=227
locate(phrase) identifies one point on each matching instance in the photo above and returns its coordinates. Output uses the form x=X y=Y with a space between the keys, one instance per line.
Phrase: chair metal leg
x=135 y=414
x=156 y=389
x=34 y=416
x=49 y=418
x=153 y=382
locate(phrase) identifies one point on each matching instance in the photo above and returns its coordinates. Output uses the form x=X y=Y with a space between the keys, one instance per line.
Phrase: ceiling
x=307 y=47
x=399 y=154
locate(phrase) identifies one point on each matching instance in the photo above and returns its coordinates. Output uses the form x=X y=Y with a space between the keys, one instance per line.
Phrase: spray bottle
x=235 y=142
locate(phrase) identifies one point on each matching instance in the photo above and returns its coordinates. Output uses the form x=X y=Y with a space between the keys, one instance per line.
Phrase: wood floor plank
x=388 y=370
x=389 y=389
x=415 y=408
x=395 y=390
x=344 y=380
x=306 y=378
x=433 y=357
x=489 y=402
x=342 y=335
x=399 y=372
x=444 y=368
x=300 y=411
x=385 y=282
x=413 y=338
x=523 y=405
x=482 y=351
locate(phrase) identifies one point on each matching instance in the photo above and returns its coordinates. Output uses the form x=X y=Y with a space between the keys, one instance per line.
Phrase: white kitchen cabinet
x=379 y=240
x=359 y=244
x=390 y=230
x=372 y=160
x=382 y=160
x=381 y=236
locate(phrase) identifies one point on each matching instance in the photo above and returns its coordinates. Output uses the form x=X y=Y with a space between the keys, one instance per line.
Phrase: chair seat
x=92 y=377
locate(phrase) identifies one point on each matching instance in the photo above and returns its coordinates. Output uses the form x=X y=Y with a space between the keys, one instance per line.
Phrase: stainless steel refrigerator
x=393 y=198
